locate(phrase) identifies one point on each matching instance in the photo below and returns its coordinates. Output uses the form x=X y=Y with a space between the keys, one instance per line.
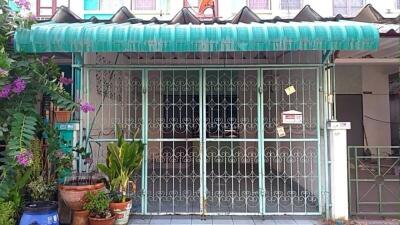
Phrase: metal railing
x=374 y=180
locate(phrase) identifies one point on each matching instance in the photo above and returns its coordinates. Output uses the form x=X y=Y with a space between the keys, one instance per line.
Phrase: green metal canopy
x=128 y=37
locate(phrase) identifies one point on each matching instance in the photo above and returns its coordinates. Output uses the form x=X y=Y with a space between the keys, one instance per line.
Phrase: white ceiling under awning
x=389 y=48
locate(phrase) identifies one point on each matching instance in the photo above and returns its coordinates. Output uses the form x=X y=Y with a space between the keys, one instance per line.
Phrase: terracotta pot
x=73 y=194
x=62 y=116
x=101 y=221
x=80 y=217
x=121 y=210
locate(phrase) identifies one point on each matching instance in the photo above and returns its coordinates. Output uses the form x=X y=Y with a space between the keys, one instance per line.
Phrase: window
x=211 y=9
x=398 y=4
x=347 y=7
x=259 y=4
x=290 y=4
x=46 y=8
x=111 y=5
x=144 y=4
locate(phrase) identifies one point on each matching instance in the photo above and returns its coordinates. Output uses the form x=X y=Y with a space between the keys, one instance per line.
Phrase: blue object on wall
x=91 y=5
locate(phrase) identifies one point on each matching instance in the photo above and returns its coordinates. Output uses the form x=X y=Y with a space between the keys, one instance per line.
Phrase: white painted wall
x=360 y=79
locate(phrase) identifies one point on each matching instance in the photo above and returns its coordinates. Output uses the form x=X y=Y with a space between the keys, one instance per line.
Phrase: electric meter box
x=69 y=133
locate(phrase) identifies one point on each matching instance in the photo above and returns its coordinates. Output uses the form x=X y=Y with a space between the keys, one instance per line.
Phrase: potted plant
x=123 y=159
x=97 y=203
x=62 y=115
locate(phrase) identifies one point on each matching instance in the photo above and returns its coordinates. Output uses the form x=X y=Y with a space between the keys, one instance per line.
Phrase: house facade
x=238 y=106
x=166 y=9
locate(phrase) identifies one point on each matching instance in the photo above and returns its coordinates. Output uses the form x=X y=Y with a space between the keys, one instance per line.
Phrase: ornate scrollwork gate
x=211 y=135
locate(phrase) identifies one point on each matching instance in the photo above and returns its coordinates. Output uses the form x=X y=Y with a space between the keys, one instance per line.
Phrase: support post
x=77 y=69
x=337 y=134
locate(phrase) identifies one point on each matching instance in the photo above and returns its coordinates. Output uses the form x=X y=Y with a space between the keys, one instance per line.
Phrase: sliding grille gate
x=212 y=145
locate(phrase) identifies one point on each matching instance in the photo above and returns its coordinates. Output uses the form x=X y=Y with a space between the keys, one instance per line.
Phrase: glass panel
x=46 y=12
x=259 y=4
x=111 y=5
x=46 y=3
x=144 y=5
x=290 y=4
x=192 y=3
x=340 y=3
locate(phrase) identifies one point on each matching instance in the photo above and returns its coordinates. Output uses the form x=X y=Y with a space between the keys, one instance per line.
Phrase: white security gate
x=212 y=145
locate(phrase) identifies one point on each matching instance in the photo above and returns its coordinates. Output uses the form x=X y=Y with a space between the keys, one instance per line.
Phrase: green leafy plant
x=42 y=190
x=24 y=81
x=7 y=213
x=123 y=159
x=97 y=203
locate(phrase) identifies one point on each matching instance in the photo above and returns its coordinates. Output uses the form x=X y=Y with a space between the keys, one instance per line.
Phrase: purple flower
x=19 y=85
x=24 y=158
x=87 y=107
x=23 y=4
x=6 y=91
x=65 y=80
x=3 y=72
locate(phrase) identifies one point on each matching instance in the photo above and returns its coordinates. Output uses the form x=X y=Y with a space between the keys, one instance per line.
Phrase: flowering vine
x=17 y=86
x=24 y=158
x=87 y=107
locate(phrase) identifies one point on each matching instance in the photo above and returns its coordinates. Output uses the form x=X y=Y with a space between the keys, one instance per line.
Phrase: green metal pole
x=144 y=138
x=77 y=60
x=203 y=148
x=87 y=92
x=260 y=124
x=318 y=74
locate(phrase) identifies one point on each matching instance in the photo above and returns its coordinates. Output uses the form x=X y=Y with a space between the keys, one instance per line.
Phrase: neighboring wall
x=372 y=81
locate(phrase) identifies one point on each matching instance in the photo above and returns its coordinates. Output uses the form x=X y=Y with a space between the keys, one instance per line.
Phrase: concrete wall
x=373 y=83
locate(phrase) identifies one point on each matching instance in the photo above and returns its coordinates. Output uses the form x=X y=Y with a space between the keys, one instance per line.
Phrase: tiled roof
x=368 y=14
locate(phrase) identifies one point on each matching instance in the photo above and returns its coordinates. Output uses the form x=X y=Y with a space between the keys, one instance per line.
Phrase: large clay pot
x=73 y=195
x=121 y=210
x=101 y=221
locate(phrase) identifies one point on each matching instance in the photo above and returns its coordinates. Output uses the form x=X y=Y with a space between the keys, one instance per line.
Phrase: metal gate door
x=212 y=139
x=173 y=162
x=291 y=155
x=231 y=144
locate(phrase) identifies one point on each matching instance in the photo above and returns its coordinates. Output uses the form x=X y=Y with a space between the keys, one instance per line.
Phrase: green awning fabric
x=127 y=37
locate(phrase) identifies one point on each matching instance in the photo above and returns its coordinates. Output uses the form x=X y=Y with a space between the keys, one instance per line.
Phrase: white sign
x=290 y=90
x=281 y=131
x=292 y=117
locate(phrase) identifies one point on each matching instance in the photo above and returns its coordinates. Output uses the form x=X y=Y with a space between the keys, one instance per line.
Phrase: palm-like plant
x=123 y=159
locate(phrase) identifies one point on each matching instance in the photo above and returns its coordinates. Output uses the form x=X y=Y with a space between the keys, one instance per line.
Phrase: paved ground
x=249 y=220
x=224 y=220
